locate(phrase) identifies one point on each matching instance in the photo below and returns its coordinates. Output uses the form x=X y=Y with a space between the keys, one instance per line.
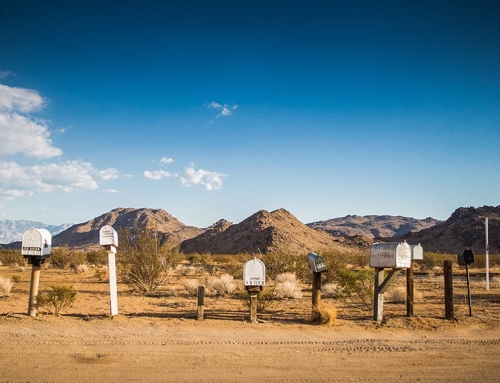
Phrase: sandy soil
x=158 y=339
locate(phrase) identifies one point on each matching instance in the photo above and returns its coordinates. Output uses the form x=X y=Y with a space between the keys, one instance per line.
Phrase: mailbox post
x=108 y=238
x=317 y=265
x=36 y=247
x=393 y=255
x=254 y=280
x=466 y=258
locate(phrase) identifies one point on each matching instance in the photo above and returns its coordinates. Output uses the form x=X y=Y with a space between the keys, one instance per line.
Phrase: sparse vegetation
x=5 y=286
x=146 y=264
x=287 y=286
x=57 y=298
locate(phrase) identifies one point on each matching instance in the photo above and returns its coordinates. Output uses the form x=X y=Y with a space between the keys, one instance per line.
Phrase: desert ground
x=158 y=338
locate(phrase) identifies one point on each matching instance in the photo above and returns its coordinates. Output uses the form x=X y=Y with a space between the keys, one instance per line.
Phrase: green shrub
x=12 y=257
x=57 y=298
x=97 y=257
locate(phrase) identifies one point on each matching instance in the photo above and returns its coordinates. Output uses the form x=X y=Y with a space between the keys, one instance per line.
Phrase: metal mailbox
x=316 y=263
x=36 y=243
x=466 y=257
x=417 y=252
x=390 y=255
x=108 y=236
x=254 y=273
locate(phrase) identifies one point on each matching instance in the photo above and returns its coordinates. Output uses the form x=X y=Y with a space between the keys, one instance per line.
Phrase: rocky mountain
x=170 y=229
x=373 y=226
x=464 y=228
x=12 y=231
x=262 y=232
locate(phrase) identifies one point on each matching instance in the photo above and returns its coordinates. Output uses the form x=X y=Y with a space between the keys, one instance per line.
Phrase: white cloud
x=223 y=110
x=20 y=133
x=18 y=181
x=6 y=73
x=19 y=99
x=166 y=160
x=108 y=174
x=156 y=174
x=110 y=191
x=211 y=180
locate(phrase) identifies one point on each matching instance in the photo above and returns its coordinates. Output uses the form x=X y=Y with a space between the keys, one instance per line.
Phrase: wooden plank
x=409 y=291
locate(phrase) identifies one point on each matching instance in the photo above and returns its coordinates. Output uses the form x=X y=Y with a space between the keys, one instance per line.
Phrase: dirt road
x=129 y=349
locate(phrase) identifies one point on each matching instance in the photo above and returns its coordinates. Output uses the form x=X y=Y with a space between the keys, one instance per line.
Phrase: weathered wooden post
x=448 y=290
x=317 y=265
x=393 y=255
x=36 y=247
x=108 y=238
x=254 y=280
x=201 y=302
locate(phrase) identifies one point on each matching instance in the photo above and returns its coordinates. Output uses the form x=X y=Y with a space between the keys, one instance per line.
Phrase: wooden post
x=448 y=290
x=468 y=289
x=35 y=281
x=378 y=298
x=253 y=308
x=316 y=291
x=409 y=291
x=201 y=302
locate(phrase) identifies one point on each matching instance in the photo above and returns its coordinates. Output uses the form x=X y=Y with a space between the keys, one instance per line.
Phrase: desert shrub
x=5 y=286
x=355 y=286
x=16 y=278
x=101 y=273
x=60 y=257
x=12 y=257
x=329 y=290
x=57 y=298
x=495 y=282
x=207 y=262
x=97 y=257
x=145 y=262
x=80 y=269
x=191 y=287
x=221 y=286
x=398 y=294
x=287 y=286
x=433 y=260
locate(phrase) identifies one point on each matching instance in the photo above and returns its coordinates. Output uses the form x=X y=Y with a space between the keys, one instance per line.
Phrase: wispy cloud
x=108 y=174
x=211 y=180
x=6 y=73
x=110 y=191
x=166 y=160
x=223 y=110
x=156 y=174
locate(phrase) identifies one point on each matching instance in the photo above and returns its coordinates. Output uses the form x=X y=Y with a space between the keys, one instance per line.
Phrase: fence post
x=201 y=302
x=448 y=290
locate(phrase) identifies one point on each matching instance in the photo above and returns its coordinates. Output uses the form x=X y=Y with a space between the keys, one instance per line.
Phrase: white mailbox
x=108 y=236
x=417 y=252
x=36 y=243
x=390 y=255
x=254 y=273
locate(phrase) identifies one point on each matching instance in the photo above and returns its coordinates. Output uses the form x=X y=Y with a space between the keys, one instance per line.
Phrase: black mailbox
x=466 y=257
x=316 y=263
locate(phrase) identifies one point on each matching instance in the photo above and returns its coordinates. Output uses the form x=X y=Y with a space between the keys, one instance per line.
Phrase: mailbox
x=390 y=254
x=36 y=243
x=466 y=257
x=316 y=263
x=417 y=253
x=254 y=273
x=108 y=236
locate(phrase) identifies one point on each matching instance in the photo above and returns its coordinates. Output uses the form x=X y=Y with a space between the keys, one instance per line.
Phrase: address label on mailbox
x=254 y=273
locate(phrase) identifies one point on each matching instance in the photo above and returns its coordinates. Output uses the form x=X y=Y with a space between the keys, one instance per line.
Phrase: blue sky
x=218 y=109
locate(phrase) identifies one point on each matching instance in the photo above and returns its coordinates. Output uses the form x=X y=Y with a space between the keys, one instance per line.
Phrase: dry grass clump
x=495 y=282
x=191 y=286
x=80 y=269
x=287 y=286
x=220 y=286
x=5 y=286
x=324 y=314
x=398 y=295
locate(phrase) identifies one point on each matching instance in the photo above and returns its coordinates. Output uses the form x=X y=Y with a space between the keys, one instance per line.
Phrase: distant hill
x=464 y=228
x=373 y=226
x=12 y=231
x=170 y=229
x=262 y=232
